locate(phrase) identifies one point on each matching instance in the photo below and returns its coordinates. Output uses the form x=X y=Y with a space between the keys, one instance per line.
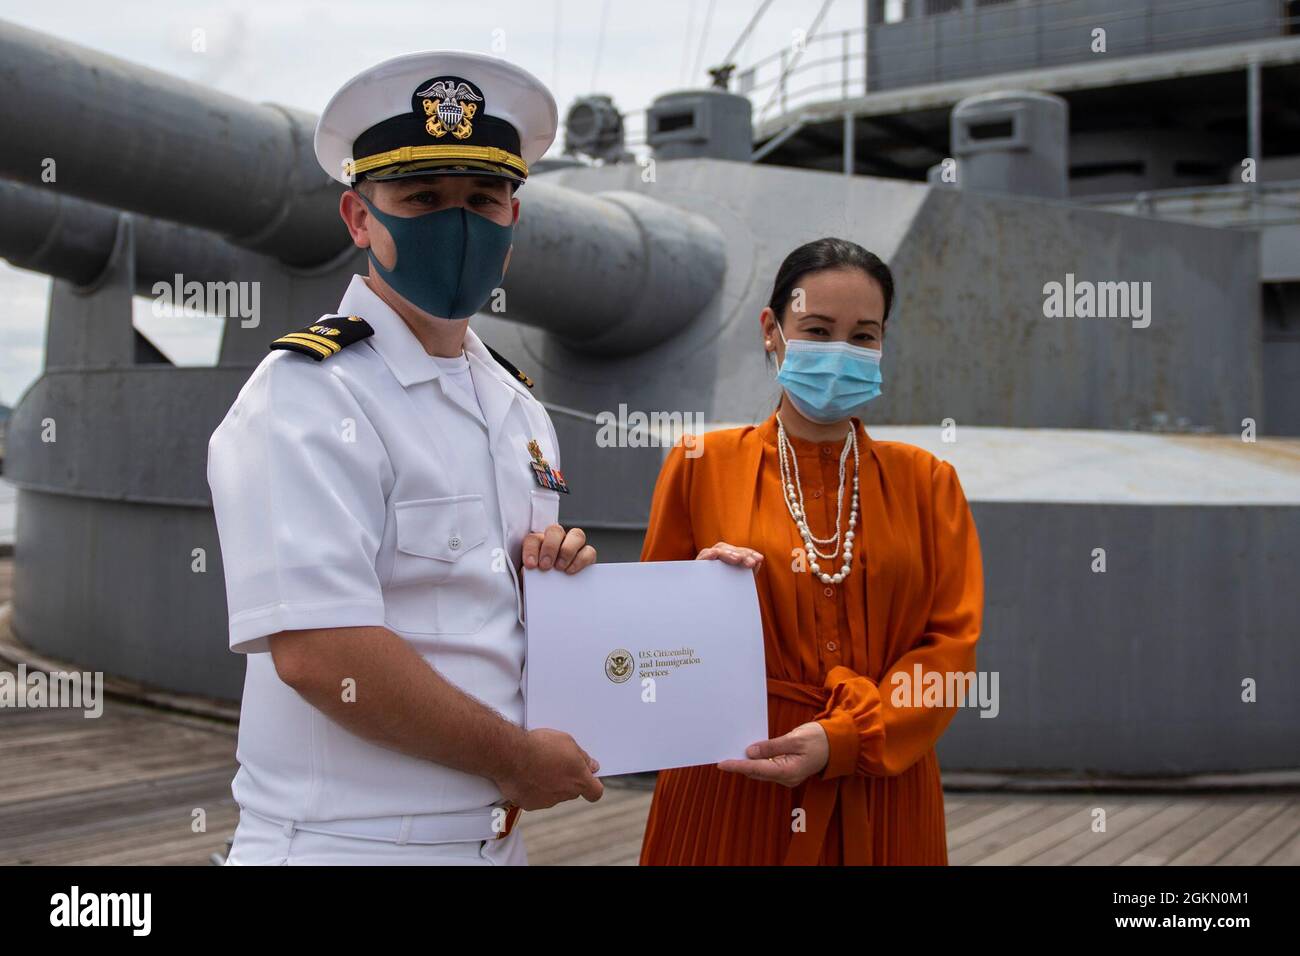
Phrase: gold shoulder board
x=326 y=337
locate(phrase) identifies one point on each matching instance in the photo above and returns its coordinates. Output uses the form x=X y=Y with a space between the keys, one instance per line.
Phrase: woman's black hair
x=821 y=255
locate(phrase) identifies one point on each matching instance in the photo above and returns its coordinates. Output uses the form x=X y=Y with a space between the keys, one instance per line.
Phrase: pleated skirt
x=700 y=816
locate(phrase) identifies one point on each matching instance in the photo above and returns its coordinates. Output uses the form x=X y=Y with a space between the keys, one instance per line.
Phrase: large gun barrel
x=112 y=132
x=612 y=273
x=73 y=239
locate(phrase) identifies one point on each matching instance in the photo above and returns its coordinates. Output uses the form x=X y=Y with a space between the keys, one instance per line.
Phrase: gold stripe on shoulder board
x=318 y=339
x=323 y=347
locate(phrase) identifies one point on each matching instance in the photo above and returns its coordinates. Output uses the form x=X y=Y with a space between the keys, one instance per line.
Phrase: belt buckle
x=512 y=814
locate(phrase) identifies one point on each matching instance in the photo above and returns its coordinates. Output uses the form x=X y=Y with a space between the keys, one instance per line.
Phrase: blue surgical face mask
x=828 y=381
x=448 y=262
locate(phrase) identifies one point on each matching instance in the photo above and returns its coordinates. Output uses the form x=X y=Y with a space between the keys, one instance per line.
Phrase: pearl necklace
x=795 y=505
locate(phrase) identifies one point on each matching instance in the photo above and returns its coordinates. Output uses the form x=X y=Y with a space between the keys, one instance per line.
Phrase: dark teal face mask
x=448 y=262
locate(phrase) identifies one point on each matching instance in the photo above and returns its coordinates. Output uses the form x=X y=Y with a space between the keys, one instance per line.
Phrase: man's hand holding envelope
x=552 y=767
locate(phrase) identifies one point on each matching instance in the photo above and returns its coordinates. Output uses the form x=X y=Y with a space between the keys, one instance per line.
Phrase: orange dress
x=913 y=599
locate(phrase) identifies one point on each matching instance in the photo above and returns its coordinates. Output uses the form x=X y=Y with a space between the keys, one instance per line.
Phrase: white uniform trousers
x=262 y=842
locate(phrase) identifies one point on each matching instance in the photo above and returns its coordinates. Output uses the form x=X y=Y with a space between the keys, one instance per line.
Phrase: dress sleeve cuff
x=842 y=734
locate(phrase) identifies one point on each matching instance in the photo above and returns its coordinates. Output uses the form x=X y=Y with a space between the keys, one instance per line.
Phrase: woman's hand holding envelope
x=731 y=554
x=787 y=760
x=804 y=751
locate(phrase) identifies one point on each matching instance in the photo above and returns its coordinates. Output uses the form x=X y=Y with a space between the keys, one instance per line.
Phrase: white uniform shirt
x=456 y=373
x=367 y=490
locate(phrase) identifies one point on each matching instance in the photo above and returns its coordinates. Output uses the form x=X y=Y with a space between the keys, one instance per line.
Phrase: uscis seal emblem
x=618 y=665
x=450 y=104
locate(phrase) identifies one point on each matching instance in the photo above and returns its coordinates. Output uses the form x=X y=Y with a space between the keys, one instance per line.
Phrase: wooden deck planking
x=1176 y=812
x=1164 y=849
x=611 y=827
x=1286 y=855
x=121 y=790
x=73 y=815
x=1257 y=847
x=1053 y=813
x=1020 y=851
x=968 y=812
x=46 y=753
x=1214 y=846
x=1120 y=819
x=1003 y=814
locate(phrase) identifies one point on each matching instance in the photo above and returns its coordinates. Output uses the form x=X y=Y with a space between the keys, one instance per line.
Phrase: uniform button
x=454 y=542
x=831 y=645
x=826 y=452
x=829 y=592
x=817 y=494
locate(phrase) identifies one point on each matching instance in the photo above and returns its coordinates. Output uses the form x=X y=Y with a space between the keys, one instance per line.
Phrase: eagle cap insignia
x=450 y=104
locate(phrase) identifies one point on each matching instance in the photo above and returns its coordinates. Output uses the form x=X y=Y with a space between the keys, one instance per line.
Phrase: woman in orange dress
x=869 y=579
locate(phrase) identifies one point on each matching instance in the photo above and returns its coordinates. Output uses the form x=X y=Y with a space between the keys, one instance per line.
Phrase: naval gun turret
x=115 y=134
x=634 y=292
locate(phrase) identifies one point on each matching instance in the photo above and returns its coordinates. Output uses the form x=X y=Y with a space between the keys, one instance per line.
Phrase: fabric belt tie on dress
x=821 y=795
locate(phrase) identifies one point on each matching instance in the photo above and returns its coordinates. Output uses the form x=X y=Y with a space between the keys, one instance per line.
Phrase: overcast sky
x=298 y=52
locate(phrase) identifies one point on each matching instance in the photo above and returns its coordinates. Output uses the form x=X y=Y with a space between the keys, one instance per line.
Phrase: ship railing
x=819 y=67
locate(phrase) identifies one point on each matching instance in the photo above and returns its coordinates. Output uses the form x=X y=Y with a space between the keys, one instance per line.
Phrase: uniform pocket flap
x=441 y=528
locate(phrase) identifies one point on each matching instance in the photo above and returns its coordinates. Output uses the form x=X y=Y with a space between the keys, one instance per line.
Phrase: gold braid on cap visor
x=407 y=154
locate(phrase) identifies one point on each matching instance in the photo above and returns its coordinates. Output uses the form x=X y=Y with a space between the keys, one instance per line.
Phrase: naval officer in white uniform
x=378 y=485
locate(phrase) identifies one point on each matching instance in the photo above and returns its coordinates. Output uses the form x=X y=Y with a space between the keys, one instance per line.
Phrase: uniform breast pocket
x=438 y=563
x=546 y=509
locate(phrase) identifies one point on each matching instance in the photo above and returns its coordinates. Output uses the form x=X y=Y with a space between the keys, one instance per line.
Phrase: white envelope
x=647 y=665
